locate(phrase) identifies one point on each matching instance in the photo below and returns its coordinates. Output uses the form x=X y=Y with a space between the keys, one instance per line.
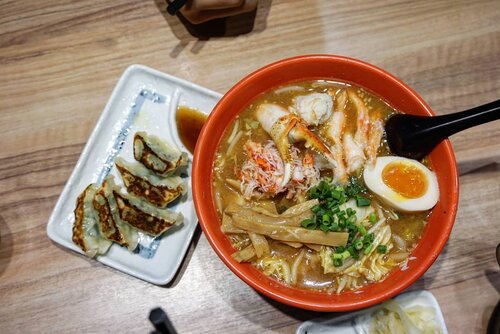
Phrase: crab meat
x=363 y=120
x=354 y=155
x=314 y=108
x=374 y=138
x=262 y=172
x=334 y=131
x=286 y=128
x=355 y=146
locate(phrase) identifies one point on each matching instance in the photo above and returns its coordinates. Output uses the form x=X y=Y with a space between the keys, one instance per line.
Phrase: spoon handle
x=447 y=125
x=415 y=136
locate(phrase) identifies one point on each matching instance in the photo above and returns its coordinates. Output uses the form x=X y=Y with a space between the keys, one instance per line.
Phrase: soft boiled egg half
x=402 y=183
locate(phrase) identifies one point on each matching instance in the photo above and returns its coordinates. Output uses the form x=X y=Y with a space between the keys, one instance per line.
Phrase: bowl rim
x=198 y=196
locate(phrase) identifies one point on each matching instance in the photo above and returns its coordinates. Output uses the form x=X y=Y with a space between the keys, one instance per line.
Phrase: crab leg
x=363 y=120
x=354 y=146
x=374 y=138
x=286 y=128
x=334 y=131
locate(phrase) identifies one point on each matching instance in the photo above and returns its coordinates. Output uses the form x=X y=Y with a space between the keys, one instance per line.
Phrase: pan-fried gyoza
x=144 y=216
x=108 y=214
x=110 y=224
x=144 y=183
x=157 y=155
x=86 y=232
x=308 y=191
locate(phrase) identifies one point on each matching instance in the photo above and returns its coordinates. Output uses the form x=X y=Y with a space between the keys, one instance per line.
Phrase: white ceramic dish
x=358 y=322
x=143 y=100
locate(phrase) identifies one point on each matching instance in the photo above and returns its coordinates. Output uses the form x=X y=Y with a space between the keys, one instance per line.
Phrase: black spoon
x=416 y=136
x=175 y=5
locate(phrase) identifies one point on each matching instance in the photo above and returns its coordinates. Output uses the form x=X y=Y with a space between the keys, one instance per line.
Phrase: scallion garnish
x=328 y=216
x=363 y=201
x=309 y=224
x=358 y=244
x=368 y=248
x=382 y=249
x=369 y=238
x=361 y=230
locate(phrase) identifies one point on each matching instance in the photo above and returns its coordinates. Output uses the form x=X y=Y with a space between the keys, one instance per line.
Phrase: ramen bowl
x=375 y=80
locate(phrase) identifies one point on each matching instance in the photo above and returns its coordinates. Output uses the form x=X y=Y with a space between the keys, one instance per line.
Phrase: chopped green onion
x=358 y=244
x=337 y=256
x=368 y=248
x=352 y=229
x=368 y=238
x=342 y=225
x=346 y=254
x=362 y=201
x=361 y=230
x=341 y=256
x=308 y=223
x=325 y=228
x=354 y=252
x=338 y=262
x=316 y=208
x=354 y=187
x=382 y=249
x=329 y=217
x=339 y=249
x=373 y=217
x=336 y=194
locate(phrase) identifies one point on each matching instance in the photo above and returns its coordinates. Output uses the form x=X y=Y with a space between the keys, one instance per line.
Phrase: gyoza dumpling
x=144 y=216
x=157 y=155
x=86 y=234
x=110 y=224
x=142 y=182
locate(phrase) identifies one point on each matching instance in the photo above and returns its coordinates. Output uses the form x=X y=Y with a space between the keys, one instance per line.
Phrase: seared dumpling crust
x=143 y=183
x=157 y=155
x=110 y=224
x=145 y=217
x=86 y=234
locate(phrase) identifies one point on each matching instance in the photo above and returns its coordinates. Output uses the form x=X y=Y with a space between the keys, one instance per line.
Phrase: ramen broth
x=406 y=228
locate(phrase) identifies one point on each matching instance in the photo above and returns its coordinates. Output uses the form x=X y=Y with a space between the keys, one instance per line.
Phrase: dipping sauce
x=189 y=122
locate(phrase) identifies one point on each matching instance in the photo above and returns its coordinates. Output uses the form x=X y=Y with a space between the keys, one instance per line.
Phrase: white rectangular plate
x=358 y=322
x=143 y=100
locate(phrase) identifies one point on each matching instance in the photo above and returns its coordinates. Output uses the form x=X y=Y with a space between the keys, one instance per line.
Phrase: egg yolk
x=405 y=179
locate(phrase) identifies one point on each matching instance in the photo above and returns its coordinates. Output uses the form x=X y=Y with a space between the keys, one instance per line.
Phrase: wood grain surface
x=59 y=61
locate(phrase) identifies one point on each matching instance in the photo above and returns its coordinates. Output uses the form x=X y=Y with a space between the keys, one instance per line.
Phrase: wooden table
x=59 y=61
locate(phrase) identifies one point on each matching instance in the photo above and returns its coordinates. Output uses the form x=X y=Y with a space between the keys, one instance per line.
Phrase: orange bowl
x=373 y=79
